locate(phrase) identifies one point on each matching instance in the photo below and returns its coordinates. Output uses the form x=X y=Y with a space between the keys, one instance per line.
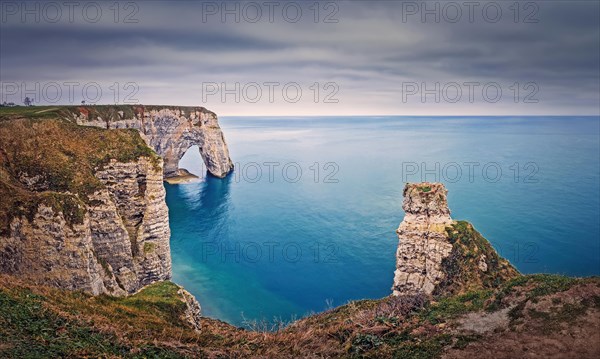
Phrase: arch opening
x=190 y=166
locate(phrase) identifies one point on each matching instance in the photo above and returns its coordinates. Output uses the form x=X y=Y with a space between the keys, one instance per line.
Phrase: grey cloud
x=369 y=53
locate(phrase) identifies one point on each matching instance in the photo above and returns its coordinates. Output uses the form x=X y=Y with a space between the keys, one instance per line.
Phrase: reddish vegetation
x=84 y=111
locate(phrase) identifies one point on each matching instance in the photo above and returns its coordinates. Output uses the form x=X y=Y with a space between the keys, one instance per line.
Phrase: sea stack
x=439 y=256
x=423 y=239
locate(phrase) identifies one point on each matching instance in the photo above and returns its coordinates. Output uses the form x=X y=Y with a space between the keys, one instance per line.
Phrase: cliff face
x=82 y=208
x=438 y=255
x=423 y=242
x=47 y=250
x=129 y=224
x=83 y=198
x=121 y=244
x=170 y=131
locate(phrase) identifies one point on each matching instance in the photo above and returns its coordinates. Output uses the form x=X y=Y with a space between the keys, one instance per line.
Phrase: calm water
x=283 y=244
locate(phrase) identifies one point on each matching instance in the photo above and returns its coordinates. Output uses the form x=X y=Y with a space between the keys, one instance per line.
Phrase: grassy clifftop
x=53 y=161
x=106 y=112
x=501 y=314
x=45 y=322
x=523 y=315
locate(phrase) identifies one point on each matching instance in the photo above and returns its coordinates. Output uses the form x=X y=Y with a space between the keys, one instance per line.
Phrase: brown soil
x=562 y=325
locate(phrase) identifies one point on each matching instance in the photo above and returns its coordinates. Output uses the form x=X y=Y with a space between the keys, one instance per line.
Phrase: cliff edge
x=169 y=130
x=83 y=201
x=437 y=255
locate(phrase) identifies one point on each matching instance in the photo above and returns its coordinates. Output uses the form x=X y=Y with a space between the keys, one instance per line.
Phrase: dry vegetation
x=53 y=161
x=462 y=265
x=39 y=321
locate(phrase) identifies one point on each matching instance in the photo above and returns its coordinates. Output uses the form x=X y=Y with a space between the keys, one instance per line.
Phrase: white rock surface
x=423 y=242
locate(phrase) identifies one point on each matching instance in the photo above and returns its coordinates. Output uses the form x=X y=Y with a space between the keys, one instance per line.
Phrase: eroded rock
x=439 y=256
x=423 y=240
x=193 y=312
x=121 y=245
x=170 y=131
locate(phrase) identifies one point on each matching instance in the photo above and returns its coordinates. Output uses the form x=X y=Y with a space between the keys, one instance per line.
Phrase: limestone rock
x=193 y=312
x=130 y=226
x=121 y=246
x=482 y=263
x=437 y=255
x=49 y=251
x=423 y=241
x=170 y=131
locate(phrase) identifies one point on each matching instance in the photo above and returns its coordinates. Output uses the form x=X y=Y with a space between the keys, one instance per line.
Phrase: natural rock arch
x=170 y=131
x=118 y=240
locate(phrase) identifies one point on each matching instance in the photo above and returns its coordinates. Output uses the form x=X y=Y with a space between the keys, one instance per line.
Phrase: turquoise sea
x=308 y=218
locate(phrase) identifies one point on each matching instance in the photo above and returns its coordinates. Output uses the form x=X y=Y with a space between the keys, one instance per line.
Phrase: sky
x=303 y=58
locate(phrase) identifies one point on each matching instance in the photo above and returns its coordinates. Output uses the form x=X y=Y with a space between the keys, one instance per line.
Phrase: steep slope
x=540 y=316
x=44 y=322
x=83 y=208
x=437 y=255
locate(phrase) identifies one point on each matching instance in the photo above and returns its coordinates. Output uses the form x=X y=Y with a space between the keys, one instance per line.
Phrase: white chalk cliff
x=170 y=131
x=119 y=241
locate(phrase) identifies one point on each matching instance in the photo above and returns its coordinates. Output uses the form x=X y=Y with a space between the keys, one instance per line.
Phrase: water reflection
x=208 y=200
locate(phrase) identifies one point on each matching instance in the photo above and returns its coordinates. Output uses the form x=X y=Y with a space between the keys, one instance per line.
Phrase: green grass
x=160 y=298
x=39 y=112
x=463 y=340
x=542 y=284
x=550 y=283
x=365 y=342
x=539 y=285
x=31 y=330
x=426 y=349
x=452 y=307
x=462 y=265
x=568 y=313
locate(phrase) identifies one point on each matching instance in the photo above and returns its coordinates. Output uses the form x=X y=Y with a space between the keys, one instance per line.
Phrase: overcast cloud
x=367 y=57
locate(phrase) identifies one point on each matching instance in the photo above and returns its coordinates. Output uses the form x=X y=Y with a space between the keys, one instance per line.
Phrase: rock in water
x=169 y=130
x=423 y=240
x=437 y=255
